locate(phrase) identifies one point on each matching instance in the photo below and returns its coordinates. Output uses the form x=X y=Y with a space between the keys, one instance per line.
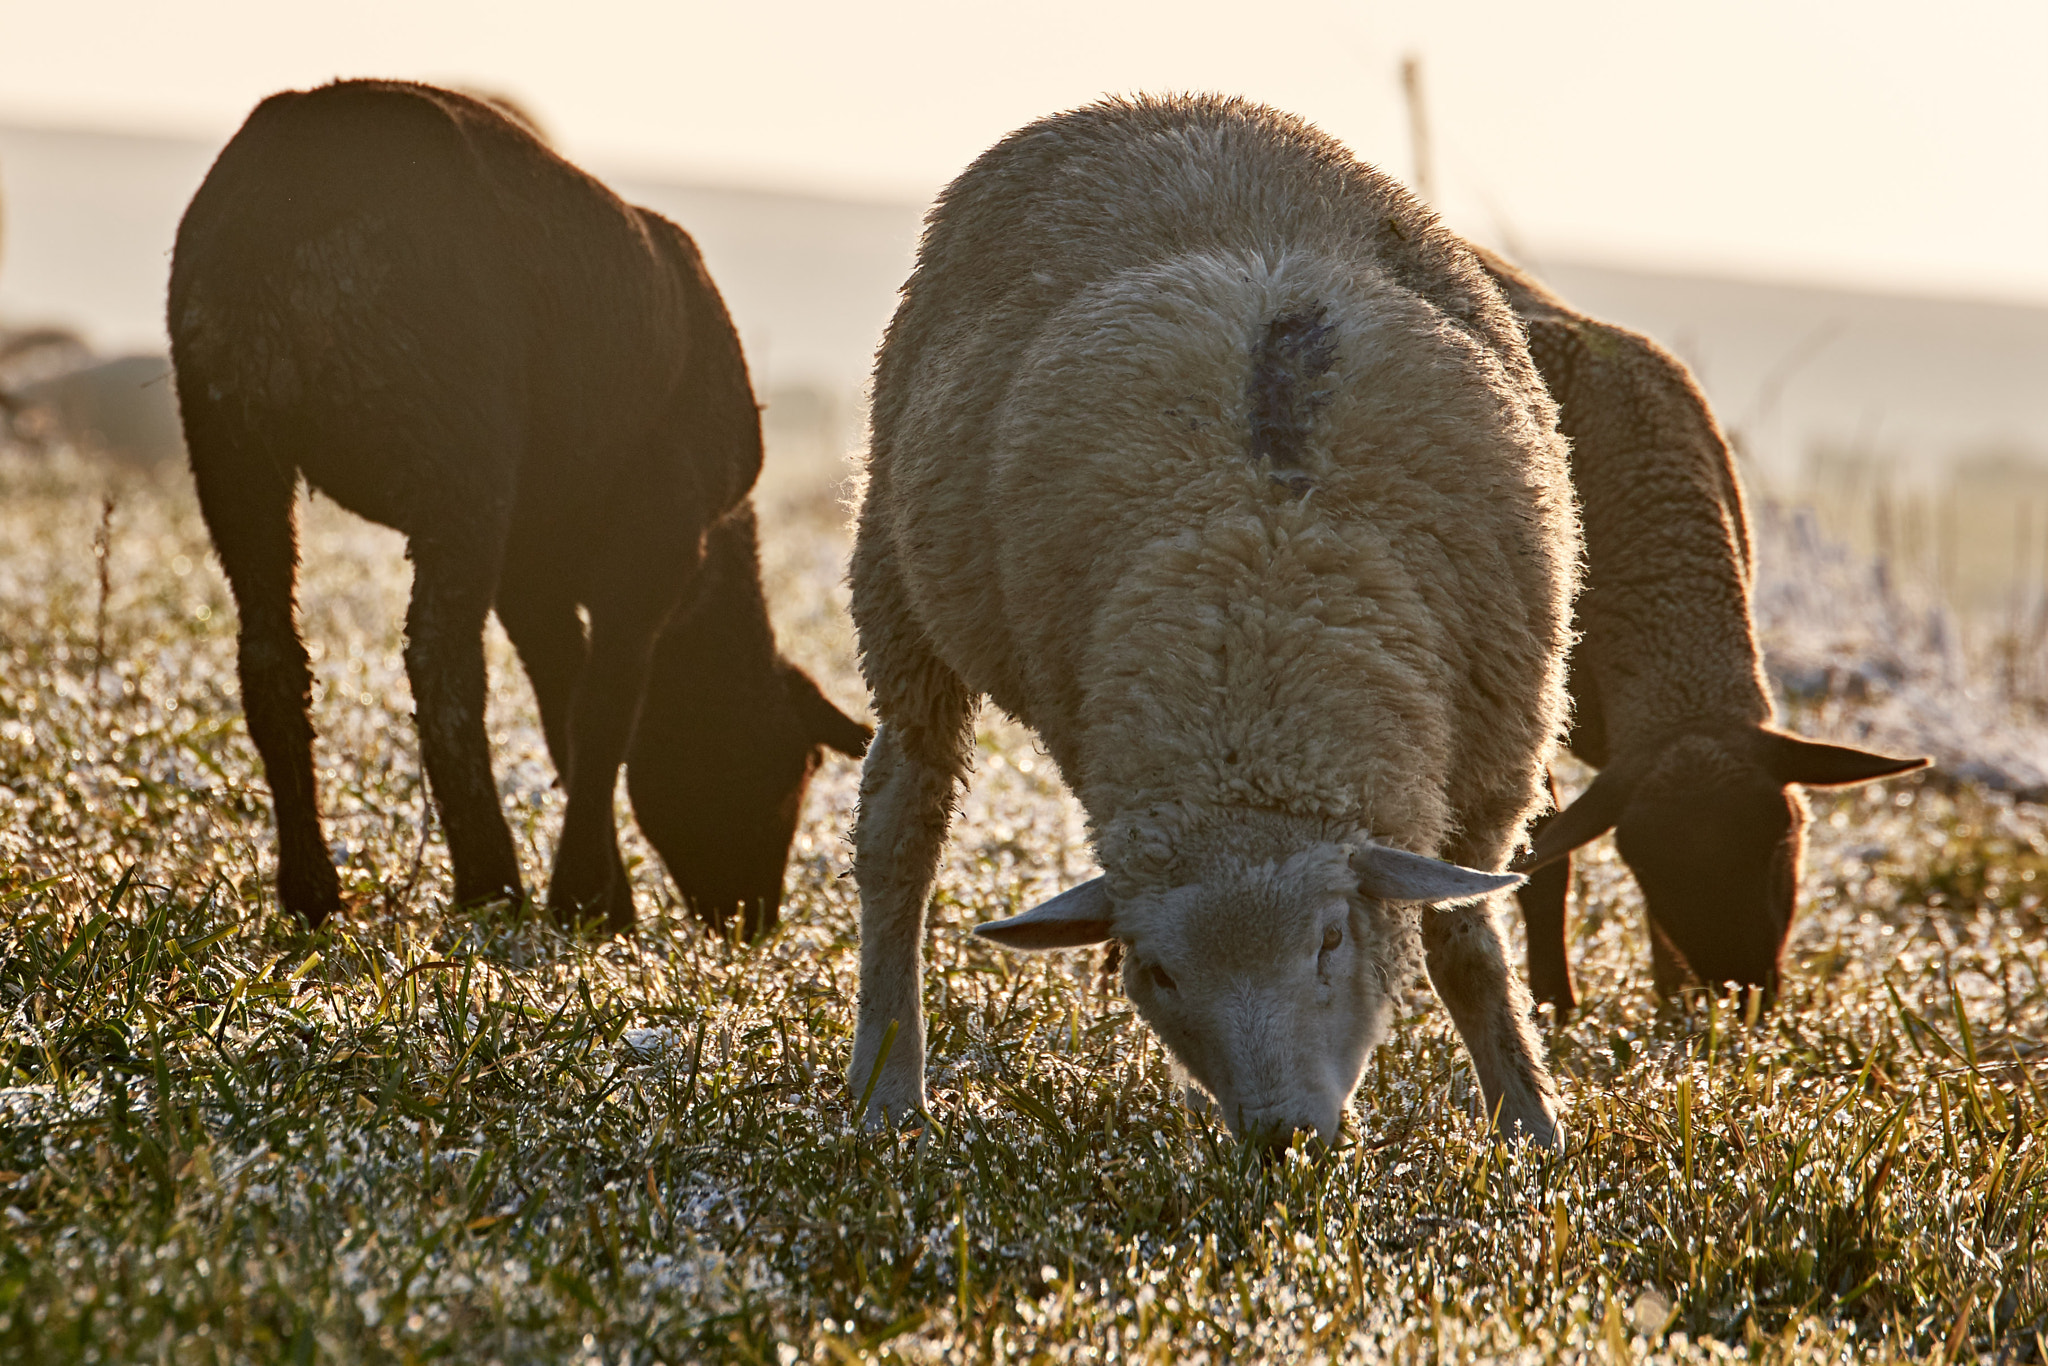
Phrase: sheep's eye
x=1161 y=978
x=1332 y=937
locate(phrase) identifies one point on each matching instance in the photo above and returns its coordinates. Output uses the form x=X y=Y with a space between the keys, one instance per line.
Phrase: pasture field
x=421 y=1135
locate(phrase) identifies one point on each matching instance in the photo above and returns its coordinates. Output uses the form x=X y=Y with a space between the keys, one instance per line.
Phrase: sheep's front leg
x=1469 y=969
x=907 y=790
x=1544 y=899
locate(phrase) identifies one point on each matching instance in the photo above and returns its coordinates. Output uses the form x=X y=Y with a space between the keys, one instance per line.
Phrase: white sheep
x=1206 y=452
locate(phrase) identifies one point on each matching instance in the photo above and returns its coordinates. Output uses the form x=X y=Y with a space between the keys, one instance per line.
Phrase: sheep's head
x=1713 y=829
x=1269 y=982
x=720 y=761
x=1715 y=842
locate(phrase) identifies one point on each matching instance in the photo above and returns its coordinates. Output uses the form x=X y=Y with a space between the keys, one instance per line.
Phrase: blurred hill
x=1803 y=374
x=1912 y=385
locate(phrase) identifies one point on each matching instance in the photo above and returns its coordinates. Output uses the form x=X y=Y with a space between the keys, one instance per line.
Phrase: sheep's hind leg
x=249 y=508
x=1469 y=969
x=1668 y=970
x=590 y=884
x=541 y=620
x=444 y=657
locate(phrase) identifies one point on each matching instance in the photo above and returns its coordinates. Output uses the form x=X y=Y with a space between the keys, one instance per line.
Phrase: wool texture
x=400 y=295
x=1667 y=643
x=1205 y=451
x=1666 y=676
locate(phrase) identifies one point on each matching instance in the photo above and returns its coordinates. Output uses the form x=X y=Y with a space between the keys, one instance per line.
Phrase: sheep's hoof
x=893 y=1098
x=312 y=894
x=512 y=893
x=893 y=1113
x=1543 y=1130
x=609 y=912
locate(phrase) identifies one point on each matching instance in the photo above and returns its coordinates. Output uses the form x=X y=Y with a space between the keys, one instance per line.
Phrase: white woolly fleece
x=1231 y=663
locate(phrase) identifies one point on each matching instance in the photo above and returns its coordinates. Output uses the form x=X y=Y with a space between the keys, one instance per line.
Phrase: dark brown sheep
x=402 y=295
x=1669 y=698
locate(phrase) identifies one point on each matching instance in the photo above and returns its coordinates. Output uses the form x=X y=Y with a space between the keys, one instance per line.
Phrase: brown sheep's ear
x=1812 y=763
x=826 y=724
x=1079 y=915
x=1585 y=820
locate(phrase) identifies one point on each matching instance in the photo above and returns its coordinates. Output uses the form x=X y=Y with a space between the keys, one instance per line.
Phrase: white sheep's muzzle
x=1270 y=983
x=1267 y=986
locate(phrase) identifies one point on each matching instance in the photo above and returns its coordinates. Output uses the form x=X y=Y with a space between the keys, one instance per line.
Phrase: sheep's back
x=388 y=256
x=1062 y=466
x=1668 y=643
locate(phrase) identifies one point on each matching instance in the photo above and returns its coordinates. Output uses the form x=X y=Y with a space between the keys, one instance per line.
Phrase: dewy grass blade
x=427 y=1143
x=34 y=888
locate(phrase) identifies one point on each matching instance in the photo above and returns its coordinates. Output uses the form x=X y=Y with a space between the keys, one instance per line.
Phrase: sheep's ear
x=1079 y=915
x=1811 y=763
x=826 y=724
x=1397 y=875
x=1585 y=820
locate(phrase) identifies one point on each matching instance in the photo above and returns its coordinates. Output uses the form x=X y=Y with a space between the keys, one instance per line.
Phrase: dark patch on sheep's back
x=1298 y=349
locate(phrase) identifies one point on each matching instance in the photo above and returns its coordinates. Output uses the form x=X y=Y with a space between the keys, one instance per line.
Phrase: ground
x=424 y=1134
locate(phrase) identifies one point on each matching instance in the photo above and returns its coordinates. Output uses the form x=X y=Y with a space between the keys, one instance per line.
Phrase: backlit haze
x=1888 y=145
x=1836 y=214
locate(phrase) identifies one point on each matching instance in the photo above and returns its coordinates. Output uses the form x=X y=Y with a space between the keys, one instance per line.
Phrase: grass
x=429 y=1135
x=1975 y=545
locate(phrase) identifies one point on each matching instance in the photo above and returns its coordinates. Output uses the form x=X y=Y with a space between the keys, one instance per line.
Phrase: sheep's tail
x=307 y=161
x=1297 y=350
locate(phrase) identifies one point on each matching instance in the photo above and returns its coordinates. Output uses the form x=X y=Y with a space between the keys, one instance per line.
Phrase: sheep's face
x=717 y=772
x=1266 y=987
x=1270 y=982
x=1714 y=841
x=1713 y=830
x=1267 y=984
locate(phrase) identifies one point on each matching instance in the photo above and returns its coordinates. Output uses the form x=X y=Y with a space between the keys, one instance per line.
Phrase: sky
x=1878 y=144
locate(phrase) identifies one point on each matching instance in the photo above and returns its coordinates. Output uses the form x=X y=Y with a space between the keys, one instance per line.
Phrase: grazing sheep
x=1670 y=700
x=1203 y=450
x=27 y=356
x=121 y=409
x=399 y=293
